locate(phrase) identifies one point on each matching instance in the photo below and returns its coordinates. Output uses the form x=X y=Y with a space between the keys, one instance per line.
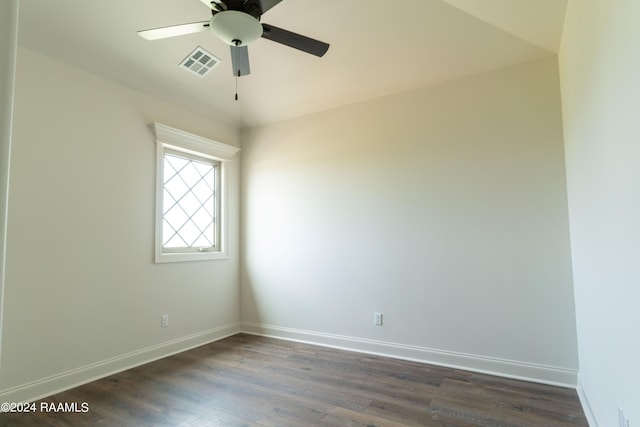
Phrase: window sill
x=190 y=257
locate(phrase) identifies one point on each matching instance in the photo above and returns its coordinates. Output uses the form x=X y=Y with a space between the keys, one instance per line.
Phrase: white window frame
x=168 y=138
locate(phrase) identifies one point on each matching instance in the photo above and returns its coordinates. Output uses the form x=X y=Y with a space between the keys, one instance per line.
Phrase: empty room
x=319 y=212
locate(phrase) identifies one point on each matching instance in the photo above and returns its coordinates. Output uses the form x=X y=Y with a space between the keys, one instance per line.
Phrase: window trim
x=168 y=138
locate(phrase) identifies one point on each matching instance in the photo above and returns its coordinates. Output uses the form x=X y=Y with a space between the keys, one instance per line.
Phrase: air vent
x=200 y=62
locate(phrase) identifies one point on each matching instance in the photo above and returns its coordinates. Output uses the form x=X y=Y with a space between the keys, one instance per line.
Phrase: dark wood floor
x=254 y=381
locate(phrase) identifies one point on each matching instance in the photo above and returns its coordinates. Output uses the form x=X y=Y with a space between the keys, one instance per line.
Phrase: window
x=190 y=196
x=190 y=217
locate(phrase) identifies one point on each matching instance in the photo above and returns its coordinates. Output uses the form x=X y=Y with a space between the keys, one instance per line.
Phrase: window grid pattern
x=189 y=203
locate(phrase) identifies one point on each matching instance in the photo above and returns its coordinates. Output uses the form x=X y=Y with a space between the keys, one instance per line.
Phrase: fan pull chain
x=237 y=75
x=237 y=43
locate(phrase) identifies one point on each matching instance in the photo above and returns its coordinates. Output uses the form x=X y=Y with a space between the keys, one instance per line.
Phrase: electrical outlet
x=377 y=319
x=164 y=321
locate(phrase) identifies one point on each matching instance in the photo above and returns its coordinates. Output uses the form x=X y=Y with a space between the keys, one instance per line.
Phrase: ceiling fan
x=237 y=23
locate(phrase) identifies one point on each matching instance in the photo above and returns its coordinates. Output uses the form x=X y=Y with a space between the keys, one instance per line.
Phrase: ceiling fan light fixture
x=232 y=26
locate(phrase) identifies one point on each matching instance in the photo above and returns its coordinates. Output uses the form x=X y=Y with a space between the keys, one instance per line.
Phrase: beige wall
x=600 y=69
x=8 y=48
x=444 y=208
x=81 y=285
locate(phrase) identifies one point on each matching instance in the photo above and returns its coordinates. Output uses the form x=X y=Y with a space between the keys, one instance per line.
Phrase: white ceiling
x=378 y=47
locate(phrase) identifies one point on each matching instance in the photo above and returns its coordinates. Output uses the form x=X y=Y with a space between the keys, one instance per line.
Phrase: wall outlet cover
x=377 y=319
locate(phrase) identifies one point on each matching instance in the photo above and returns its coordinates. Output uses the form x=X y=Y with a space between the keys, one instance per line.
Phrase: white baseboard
x=583 y=395
x=493 y=366
x=73 y=378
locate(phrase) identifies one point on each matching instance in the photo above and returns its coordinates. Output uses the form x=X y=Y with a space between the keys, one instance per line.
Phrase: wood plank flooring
x=246 y=380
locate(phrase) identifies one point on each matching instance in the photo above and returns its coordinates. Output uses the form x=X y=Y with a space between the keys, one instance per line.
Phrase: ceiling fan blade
x=261 y=6
x=296 y=41
x=240 y=60
x=173 y=30
x=215 y=5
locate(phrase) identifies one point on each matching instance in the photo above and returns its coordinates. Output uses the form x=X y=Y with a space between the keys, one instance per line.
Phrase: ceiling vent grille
x=200 y=62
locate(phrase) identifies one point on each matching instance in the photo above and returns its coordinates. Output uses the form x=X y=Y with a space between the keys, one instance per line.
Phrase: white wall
x=600 y=69
x=444 y=208
x=8 y=51
x=81 y=285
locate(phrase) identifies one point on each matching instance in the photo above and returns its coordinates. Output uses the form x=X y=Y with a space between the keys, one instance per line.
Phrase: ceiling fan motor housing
x=232 y=26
